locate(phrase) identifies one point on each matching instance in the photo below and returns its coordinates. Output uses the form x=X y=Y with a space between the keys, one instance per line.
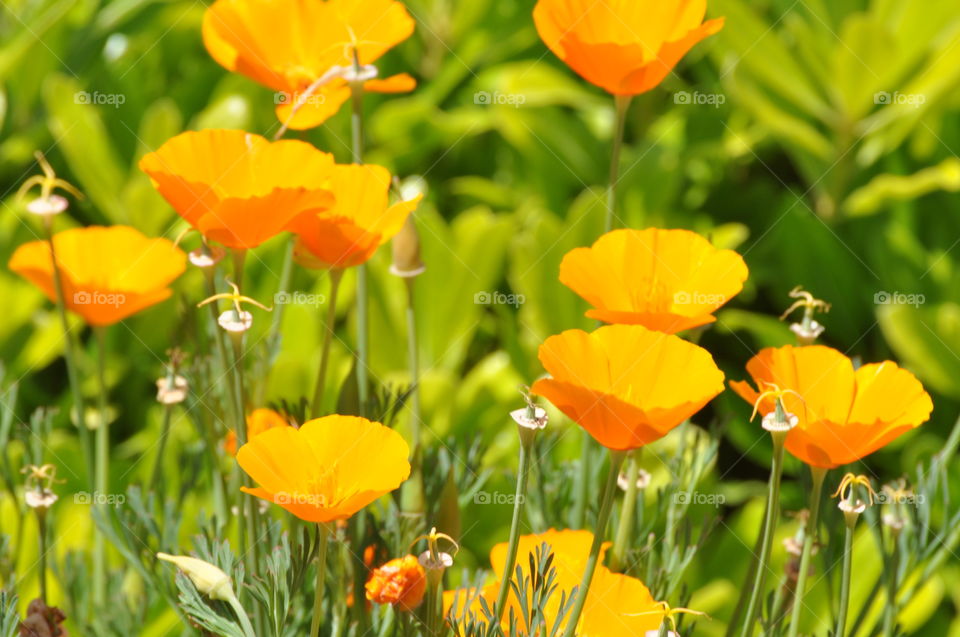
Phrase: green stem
x=242 y=616
x=845 y=582
x=523 y=472
x=158 y=463
x=606 y=504
x=578 y=513
x=621 y=542
x=316 y=407
x=363 y=356
x=323 y=541
x=273 y=339
x=411 y=495
x=101 y=486
x=73 y=374
x=621 y=103
x=42 y=529
x=890 y=612
x=769 y=526
x=809 y=537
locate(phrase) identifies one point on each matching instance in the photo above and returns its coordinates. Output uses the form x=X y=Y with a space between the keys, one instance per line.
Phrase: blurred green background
x=817 y=138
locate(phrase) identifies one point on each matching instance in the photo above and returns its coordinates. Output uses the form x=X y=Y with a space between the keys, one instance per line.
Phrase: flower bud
x=400 y=582
x=209 y=580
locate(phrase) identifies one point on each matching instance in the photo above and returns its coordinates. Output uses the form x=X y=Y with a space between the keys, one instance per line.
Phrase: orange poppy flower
x=108 y=273
x=616 y=605
x=288 y=45
x=844 y=414
x=328 y=469
x=360 y=221
x=666 y=280
x=258 y=421
x=625 y=47
x=626 y=385
x=401 y=582
x=237 y=188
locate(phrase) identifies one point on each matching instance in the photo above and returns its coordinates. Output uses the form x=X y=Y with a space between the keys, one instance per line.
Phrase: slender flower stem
x=363 y=351
x=769 y=526
x=845 y=582
x=809 y=537
x=411 y=495
x=73 y=375
x=101 y=485
x=323 y=541
x=161 y=448
x=316 y=407
x=621 y=542
x=242 y=616
x=606 y=504
x=42 y=530
x=523 y=472
x=893 y=565
x=621 y=103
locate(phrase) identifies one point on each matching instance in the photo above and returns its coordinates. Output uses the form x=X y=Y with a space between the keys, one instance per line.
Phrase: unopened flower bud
x=208 y=579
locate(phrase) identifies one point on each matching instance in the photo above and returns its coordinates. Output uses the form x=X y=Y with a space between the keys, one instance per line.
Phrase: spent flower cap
x=48 y=203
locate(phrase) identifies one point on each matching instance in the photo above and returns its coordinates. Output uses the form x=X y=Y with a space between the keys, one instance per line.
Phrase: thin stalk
x=621 y=542
x=42 y=529
x=316 y=407
x=102 y=474
x=809 y=537
x=769 y=526
x=621 y=103
x=242 y=616
x=523 y=472
x=363 y=347
x=248 y=509
x=73 y=374
x=890 y=612
x=581 y=485
x=411 y=496
x=845 y=582
x=323 y=541
x=606 y=504
x=158 y=462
